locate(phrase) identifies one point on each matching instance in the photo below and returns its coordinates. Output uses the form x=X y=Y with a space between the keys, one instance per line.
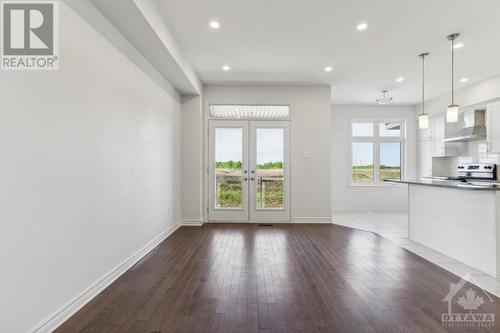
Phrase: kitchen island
x=460 y=220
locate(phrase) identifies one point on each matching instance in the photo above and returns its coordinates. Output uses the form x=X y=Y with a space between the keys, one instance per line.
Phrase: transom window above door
x=269 y=112
x=378 y=151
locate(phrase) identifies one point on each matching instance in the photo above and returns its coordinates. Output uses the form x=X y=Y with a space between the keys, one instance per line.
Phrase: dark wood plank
x=286 y=278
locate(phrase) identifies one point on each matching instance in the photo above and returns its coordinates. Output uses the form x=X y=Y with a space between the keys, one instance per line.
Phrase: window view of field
x=362 y=162
x=228 y=180
x=268 y=178
x=270 y=185
x=364 y=173
x=390 y=160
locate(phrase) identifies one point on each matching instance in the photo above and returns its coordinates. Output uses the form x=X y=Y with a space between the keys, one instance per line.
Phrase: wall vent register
x=249 y=111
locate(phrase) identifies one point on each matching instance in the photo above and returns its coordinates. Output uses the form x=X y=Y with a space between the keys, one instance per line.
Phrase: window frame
x=376 y=139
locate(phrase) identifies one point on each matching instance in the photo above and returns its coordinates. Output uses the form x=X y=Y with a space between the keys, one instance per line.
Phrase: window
x=377 y=151
x=249 y=111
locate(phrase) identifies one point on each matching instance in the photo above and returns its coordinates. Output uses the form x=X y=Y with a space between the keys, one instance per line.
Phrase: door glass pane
x=390 y=129
x=390 y=160
x=269 y=172
x=362 y=162
x=228 y=167
x=362 y=129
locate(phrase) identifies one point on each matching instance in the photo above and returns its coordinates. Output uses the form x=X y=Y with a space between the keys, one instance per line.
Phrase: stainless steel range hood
x=474 y=129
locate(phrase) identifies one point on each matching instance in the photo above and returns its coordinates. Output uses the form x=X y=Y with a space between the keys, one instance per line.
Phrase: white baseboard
x=311 y=220
x=192 y=222
x=59 y=317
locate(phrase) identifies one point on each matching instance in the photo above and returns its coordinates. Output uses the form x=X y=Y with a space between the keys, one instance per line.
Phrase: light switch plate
x=307 y=155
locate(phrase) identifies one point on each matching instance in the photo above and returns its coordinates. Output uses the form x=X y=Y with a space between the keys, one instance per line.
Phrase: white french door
x=249 y=170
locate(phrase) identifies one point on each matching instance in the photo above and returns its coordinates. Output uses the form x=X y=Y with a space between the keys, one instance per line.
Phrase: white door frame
x=249 y=211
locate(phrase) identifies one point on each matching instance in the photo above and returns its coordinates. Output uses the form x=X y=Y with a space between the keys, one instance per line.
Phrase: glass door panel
x=228 y=171
x=228 y=167
x=269 y=170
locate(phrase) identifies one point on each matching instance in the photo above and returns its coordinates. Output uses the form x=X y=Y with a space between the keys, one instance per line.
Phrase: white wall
x=347 y=197
x=310 y=132
x=89 y=169
x=192 y=160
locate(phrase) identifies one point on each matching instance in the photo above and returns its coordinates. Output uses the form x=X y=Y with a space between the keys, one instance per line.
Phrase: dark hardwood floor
x=284 y=278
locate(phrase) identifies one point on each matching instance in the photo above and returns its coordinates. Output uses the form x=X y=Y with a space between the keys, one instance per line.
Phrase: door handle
x=245 y=179
x=252 y=178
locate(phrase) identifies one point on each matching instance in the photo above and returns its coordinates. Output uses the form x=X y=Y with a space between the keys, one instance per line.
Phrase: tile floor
x=394 y=226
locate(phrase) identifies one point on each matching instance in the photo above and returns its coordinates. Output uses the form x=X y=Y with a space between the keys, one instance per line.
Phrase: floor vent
x=266 y=225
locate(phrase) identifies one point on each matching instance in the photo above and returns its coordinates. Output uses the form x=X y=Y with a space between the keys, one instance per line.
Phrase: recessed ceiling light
x=328 y=69
x=214 y=24
x=362 y=26
x=226 y=68
x=464 y=79
x=458 y=46
x=400 y=79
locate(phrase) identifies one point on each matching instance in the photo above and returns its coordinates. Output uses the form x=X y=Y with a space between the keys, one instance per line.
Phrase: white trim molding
x=192 y=222
x=312 y=220
x=59 y=317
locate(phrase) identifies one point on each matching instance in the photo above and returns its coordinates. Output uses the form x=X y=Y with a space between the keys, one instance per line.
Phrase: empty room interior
x=250 y=166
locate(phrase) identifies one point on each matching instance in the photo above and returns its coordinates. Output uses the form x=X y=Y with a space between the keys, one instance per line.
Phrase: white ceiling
x=293 y=40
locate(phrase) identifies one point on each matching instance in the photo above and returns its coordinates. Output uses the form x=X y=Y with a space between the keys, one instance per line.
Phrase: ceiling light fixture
x=400 y=79
x=226 y=68
x=452 y=111
x=458 y=46
x=214 y=24
x=328 y=69
x=464 y=79
x=423 y=118
x=384 y=97
x=362 y=26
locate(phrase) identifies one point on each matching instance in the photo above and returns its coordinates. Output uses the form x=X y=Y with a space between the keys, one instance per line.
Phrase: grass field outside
x=364 y=174
x=269 y=191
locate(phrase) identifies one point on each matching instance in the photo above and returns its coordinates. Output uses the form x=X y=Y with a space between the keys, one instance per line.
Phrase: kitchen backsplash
x=468 y=152
x=476 y=152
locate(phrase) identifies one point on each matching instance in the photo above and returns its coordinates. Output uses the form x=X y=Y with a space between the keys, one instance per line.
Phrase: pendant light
x=423 y=118
x=452 y=111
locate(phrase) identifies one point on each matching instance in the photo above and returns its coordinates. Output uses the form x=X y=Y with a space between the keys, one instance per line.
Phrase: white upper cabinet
x=493 y=127
x=425 y=158
x=438 y=124
x=425 y=134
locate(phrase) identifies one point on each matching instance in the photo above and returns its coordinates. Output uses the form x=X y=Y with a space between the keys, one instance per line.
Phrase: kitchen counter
x=471 y=185
x=459 y=220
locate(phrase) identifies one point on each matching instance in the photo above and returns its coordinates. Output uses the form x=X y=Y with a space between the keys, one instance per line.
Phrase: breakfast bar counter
x=443 y=182
x=460 y=220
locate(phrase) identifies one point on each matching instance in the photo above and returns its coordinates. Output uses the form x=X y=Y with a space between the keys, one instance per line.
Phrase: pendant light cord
x=423 y=84
x=452 y=71
x=423 y=55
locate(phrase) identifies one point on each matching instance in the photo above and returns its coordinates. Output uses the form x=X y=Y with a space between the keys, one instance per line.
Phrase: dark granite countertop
x=471 y=185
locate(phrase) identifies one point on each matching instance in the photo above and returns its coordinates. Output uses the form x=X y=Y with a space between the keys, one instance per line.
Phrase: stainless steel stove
x=478 y=171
